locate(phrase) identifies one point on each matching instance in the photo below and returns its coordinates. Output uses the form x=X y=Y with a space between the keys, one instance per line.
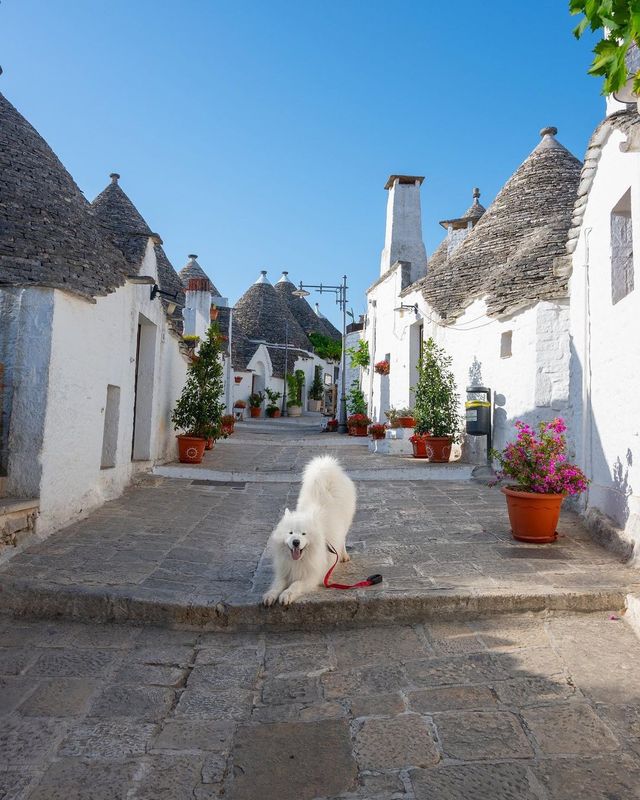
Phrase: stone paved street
x=187 y=551
x=534 y=707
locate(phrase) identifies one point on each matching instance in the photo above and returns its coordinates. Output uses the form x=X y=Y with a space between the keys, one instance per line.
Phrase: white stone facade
x=605 y=336
x=75 y=365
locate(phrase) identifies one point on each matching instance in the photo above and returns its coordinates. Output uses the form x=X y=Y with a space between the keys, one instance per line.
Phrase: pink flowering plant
x=537 y=460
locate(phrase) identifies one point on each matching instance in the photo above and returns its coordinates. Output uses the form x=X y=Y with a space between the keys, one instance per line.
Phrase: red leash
x=370 y=581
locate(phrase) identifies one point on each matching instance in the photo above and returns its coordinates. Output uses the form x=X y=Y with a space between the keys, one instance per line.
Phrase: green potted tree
x=436 y=406
x=357 y=421
x=256 y=399
x=199 y=409
x=316 y=390
x=273 y=409
x=295 y=385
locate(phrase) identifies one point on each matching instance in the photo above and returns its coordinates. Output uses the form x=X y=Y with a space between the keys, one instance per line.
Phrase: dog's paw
x=345 y=557
x=286 y=598
x=270 y=598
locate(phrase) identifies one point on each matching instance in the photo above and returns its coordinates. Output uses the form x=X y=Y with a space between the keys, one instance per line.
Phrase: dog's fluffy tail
x=324 y=480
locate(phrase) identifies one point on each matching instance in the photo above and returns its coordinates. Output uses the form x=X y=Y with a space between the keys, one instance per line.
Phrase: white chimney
x=403 y=236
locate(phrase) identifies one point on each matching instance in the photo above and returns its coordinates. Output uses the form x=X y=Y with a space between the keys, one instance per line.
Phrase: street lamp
x=284 y=411
x=340 y=292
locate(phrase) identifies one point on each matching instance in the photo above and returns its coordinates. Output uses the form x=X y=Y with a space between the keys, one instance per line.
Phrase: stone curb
x=365 y=607
x=433 y=472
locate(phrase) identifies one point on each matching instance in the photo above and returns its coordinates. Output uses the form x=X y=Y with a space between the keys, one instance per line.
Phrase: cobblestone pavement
x=533 y=707
x=175 y=550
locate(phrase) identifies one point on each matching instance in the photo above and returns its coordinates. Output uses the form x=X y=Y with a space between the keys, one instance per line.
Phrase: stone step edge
x=434 y=472
x=21 y=599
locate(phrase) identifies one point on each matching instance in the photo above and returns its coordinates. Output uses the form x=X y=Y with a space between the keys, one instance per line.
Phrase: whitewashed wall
x=93 y=345
x=260 y=364
x=605 y=379
x=532 y=384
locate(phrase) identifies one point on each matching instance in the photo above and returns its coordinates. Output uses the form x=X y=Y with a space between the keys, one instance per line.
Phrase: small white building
x=494 y=294
x=605 y=322
x=91 y=364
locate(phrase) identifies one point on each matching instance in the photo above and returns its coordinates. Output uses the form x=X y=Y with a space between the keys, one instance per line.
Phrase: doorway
x=143 y=390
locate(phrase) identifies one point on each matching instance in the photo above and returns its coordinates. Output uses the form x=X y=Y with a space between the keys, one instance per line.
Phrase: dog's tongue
x=296 y=553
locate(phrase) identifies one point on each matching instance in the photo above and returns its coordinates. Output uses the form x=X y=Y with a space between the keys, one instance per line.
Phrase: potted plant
x=228 y=423
x=377 y=430
x=191 y=340
x=237 y=378
x=199 y=408
x=316 y=390
x=239 y=407
x=437 y=418
x=272 y=409
x=357 y=424
x=382 y=367
x=256 y=399
x=295 y=385
x=537 y=462
x=405 y=418
x=214 y=311
x=332 y=425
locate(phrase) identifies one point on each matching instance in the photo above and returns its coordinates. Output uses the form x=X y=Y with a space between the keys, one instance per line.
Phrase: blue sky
x=261 y=134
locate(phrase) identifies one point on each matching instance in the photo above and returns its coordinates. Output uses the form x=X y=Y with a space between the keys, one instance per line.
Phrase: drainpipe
x=372 y=355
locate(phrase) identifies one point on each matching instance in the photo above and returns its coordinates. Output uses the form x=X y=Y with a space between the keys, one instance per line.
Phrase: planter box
x=314 y=405
x=294 y=411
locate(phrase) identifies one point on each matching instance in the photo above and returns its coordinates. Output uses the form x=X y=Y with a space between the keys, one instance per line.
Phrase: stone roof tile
x=49 y=234
x=511 y=256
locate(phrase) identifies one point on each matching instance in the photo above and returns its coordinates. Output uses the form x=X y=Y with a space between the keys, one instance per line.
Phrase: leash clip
x=373 y=579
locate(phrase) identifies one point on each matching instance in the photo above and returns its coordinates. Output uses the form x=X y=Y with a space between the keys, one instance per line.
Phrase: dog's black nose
x=295 y=542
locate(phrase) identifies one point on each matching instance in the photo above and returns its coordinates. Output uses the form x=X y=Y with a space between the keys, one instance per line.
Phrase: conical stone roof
x=306 y=317
x=48 y=233
x=262 y=314
x=130 y=232
x=512 y=255
x=193 y=270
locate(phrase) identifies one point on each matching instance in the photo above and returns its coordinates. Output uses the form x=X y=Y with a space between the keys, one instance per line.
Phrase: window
x=505 y=344
x=110 y=433
x=621 y=249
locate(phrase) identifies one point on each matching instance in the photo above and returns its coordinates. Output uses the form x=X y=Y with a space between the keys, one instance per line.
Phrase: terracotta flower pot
x=190 y=449
x=406 y=422
x=210 y=443
x=436 y=448
x=228 y=429
x=357 y=430
x=255 y=412
x=238 y=379
x=332 y=426
x=533 y=516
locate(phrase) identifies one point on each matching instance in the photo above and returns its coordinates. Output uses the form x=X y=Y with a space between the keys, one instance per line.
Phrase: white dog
x=301 y=558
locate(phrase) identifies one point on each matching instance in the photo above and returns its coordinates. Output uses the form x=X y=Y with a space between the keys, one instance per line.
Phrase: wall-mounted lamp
x=156 y=290
x=404 y=307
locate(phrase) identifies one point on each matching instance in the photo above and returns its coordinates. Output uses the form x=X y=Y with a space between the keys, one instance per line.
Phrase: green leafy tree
x=316 y=389
x=325 y=346
x=199 y=409
x=436 y=398
x=360 y=354
x=295 y=384
x=619 y=20
x=356 y=404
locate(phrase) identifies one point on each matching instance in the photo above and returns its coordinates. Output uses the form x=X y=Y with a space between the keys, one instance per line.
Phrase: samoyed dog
x=323 y=516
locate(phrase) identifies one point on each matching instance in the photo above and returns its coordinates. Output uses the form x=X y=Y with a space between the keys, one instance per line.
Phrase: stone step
x=17 y=519
x=321 y=610
x=406 y=470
